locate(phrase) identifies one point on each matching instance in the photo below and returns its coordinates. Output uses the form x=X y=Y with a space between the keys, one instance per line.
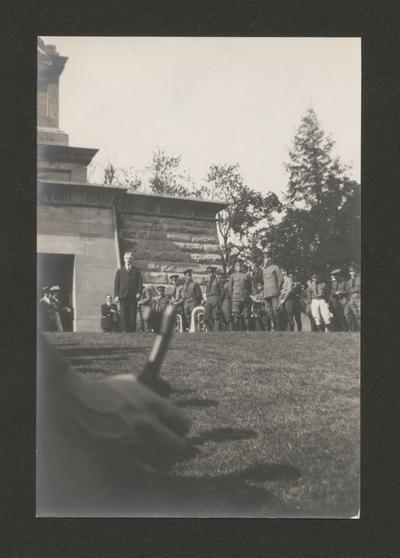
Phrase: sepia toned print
x=199 y=281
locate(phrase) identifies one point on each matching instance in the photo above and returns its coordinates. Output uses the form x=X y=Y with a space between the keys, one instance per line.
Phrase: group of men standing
x=233 y=303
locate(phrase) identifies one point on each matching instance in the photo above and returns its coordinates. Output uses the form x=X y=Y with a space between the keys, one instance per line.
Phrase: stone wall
x=96 y=224
x=168 y=235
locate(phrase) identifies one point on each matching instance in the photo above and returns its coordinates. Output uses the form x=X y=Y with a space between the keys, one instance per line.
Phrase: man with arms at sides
x=239 y=286
x=352 y=309
x=258 y=311
x=191 y=295
x=109 y=315
x=290 y=300
x=226 y=303
x=319 y=303
x=337 y=300
x=273 y=280
x=144 y=301
x=128 y=286
x=214 y=292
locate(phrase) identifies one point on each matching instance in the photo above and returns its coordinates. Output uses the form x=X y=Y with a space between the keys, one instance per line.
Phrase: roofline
x=138 y=193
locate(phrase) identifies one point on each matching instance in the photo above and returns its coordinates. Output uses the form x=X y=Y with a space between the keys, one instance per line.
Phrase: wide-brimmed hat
x=336 y=271
x=189 y=270
x=174 y=276
x=161 y=287
x=211 y=269
x=54 y=288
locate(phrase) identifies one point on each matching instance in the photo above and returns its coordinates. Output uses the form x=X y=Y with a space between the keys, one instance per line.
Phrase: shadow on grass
x=223 y=435
x=197 y=403
x=182 y=391
x=265 y=472
x=228 y=495
x=103 y=351
x=76 y=361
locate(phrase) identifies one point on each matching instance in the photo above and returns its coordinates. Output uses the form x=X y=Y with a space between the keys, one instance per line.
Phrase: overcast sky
x=212 y=100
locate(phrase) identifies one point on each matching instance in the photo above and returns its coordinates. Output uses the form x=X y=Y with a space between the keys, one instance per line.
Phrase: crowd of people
x=233 y=302
x=236 y=302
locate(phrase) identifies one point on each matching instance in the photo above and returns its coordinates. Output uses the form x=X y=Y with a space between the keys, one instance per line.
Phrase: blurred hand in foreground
x=93 y=433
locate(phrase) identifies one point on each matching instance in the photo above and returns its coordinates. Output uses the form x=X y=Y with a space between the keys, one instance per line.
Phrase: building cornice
x=142 y=203
x=65 y=153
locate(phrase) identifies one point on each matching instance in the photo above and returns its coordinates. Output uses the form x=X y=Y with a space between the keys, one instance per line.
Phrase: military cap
x=336 y=271
x=211 y=269
x=54 y=288
x=161 y=287
x=189 y=270
x=174 y=276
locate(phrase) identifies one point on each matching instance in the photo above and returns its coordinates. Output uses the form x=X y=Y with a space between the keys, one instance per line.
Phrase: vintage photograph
x=198 y=277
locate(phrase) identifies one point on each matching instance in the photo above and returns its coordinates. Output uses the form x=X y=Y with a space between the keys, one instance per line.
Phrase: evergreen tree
x=320 y=228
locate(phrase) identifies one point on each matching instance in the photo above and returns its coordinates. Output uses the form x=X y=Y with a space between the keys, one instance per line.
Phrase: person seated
x=109 y=315
x=160 y=302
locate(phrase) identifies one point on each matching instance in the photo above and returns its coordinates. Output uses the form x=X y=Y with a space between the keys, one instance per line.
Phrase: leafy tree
x=166 y=176
x=126 y=177
x=320 y=228
x=246 y=211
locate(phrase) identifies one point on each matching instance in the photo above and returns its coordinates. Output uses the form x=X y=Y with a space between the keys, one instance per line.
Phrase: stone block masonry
x=168 y=235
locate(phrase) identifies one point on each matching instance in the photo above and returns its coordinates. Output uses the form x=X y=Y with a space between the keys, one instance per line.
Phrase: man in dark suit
x=128 y=286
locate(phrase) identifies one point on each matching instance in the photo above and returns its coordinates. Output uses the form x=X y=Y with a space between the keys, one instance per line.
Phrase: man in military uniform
x=214 y=291
x=144 y=301
x=239 y=286
x=191 y=296
x=352 y=309
x=226 y=302
x=273 y=280
x=290 y=301
x=337 y=300
x=305 y=304
x=258 y=308
x=160 y=302
x=319 y=303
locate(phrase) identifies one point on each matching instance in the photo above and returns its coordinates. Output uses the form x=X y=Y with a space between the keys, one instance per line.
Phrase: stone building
x=83 y=229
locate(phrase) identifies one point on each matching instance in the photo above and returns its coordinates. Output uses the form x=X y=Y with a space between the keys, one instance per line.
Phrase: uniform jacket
x=337 y=286
x=147 y=295
x=319 y=290
x=239 y=286
x=353 y=286
x=273 y=280
x=191 y=292
x=128 y=283
x=214 y=289
x=160 y=303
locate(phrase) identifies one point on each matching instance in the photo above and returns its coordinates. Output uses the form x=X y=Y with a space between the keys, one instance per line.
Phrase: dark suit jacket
x=128 y=284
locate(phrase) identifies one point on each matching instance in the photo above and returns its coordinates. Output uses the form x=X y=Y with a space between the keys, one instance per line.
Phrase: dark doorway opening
x=58 y=269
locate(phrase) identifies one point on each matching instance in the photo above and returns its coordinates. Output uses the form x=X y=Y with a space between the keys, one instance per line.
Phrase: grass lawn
x=275 y=418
